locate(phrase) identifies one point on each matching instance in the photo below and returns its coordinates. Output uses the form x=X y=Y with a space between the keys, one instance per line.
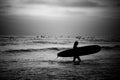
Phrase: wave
x=5 y=44
x=111 y=47
x=34 y=50
x=47 y=42
x=55 y=49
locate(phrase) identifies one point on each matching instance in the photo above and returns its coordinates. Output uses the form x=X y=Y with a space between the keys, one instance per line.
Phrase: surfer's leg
x=74 y=59
x=79 y=58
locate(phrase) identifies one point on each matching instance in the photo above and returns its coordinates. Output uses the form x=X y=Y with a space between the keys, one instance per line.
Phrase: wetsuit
x=76 y=56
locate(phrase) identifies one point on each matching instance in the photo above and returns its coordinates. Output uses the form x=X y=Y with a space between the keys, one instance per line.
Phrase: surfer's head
x=76 y=43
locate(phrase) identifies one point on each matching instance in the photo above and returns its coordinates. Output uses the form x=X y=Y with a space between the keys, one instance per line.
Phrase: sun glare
x=41 y=10
x=53 y=11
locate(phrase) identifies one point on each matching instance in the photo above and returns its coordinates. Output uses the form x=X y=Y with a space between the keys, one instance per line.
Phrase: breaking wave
x=34 y=50
x=55 y=49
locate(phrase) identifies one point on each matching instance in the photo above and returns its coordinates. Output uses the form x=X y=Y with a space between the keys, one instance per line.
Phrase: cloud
x=108 y=3
x=76 y=3
x=90 y=10
x=65 y=3
x=6 y=5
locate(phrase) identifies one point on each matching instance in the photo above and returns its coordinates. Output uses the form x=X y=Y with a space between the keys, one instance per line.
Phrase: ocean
x=35 y=58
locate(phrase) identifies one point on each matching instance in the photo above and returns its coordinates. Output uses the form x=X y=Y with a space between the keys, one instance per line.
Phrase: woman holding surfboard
x=75 y=52
x=76 y=56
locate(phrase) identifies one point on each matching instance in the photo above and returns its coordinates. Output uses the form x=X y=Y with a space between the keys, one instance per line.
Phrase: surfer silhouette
x=76 y=56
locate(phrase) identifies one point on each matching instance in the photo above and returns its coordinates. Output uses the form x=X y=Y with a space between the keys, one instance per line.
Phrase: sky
x=60 y=17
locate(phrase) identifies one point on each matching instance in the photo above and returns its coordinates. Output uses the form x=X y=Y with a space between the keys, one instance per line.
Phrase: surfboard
x=80 y=51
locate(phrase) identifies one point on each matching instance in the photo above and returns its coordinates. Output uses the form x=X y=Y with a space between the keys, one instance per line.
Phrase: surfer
x=76 y=56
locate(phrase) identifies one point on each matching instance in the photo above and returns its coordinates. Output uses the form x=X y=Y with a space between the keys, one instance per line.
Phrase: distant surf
x=54 y=49
x=33 y=50
x=31 y=44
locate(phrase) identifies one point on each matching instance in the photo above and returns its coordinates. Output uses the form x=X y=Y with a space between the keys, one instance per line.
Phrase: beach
x=24 y=60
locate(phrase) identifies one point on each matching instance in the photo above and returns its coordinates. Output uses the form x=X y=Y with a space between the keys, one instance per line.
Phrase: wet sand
x=97 y=68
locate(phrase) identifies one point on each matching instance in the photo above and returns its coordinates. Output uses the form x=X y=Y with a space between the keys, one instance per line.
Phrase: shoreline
x=99 y=66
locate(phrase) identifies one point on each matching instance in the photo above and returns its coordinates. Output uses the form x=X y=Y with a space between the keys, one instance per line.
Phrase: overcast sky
x=62 y=17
